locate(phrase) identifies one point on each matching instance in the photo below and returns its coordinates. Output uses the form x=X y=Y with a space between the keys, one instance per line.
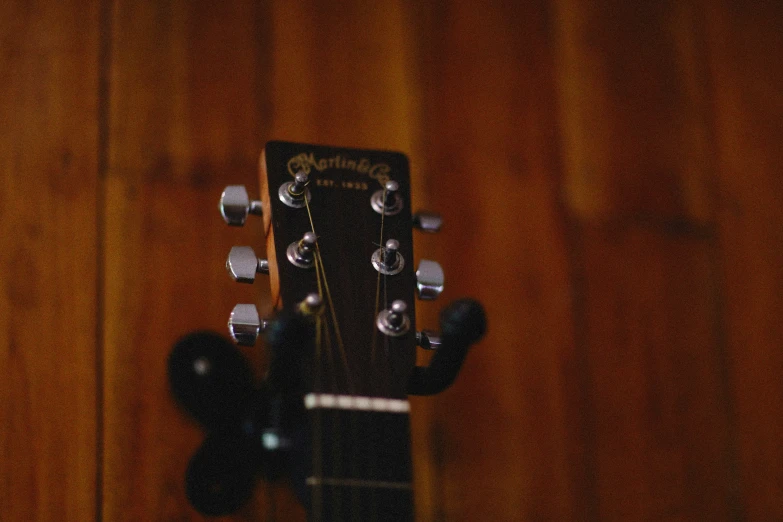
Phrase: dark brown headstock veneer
x=354 y=357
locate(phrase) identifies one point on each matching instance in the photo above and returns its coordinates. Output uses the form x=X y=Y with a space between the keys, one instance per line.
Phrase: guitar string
x=384 y=384
x=330 y=355
x=317 y=498
x=320 y=326
x=386 y=341
x=377 y=293
x=320 y=269
x=335 y=323
x=316 y=433
x=373 y=351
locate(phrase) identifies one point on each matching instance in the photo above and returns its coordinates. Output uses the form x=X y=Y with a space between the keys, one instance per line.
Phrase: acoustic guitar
x=332 y=413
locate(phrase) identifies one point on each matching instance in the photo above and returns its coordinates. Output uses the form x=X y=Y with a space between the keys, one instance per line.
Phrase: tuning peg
x=295 y=193
x=313 y=304
x=429 y=280
x=428 y=339
x=235 y=205
x=394 y=321
x=245 y=325
x=427 y=221
x=302 y=253
x=387 y=201
x=243 y=265
x=388 y=260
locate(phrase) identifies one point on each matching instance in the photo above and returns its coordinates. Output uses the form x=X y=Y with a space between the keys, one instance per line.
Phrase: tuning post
x=235 y=205
x=428 y=339
x=302 y=253
x=427 y=221
x=243 y=265
x=245 y=325
x=293 y=193
x=313 y=304
x=391 y=203
x=388 y=260
x=393 y=321
x=429 y=280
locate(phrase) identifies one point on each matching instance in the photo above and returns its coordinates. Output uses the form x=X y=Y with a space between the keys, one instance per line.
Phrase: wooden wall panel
x=187 y=116
x=48 y=252
x=744 y=41
x=659 y=440
x=488 y=128
x=637 y=182
x=611 y=191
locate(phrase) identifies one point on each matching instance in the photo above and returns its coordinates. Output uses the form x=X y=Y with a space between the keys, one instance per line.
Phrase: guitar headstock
x=338 y=226
x=342 y=209
x=339 y=244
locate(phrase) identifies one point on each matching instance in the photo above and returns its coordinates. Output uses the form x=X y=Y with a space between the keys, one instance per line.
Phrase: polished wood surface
x=50 y=237
x=609 y=174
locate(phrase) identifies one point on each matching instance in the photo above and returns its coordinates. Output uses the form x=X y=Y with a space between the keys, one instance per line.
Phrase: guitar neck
x=339 y=230
x=361 y=465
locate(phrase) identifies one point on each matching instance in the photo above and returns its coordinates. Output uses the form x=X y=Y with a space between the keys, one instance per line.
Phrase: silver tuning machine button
x=243 y=265
x=428 y=339
x=427 y=221
x=429 y=280
x=245 y=325
x=235 y=205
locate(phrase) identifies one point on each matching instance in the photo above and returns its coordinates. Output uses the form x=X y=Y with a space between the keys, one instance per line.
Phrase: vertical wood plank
x=48 y=252
x=341 y=74
x=187 y=116
x=745 y=43
x=608 y=176
x=506 y=447
x=636 y=129
x=660 y=430
x=635 y=112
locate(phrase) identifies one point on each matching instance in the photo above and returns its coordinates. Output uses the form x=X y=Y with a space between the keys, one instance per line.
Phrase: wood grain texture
x=636 y=182
x=748 y=101
x=489 y=119
x=610 y=180
x=654 y=378
x=48 y=253
x=186 y=117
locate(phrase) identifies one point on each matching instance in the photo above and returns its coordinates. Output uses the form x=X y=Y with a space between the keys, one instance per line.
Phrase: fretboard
x=361 y=465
